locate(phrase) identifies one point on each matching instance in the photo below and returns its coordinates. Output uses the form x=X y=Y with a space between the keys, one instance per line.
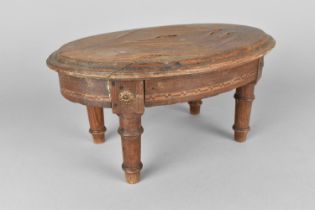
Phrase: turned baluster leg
x=244 y=97
x=128 y=104
x=195 y=107
x=130 y=131
x=96 y=119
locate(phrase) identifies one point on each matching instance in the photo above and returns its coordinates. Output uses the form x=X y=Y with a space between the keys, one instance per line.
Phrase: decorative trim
x=85 y=96
x=97 y=131
x=242 y=98
x=126 y=96
x=136 y=132
x=132 y=170
x=202 y=90
x=240 y=129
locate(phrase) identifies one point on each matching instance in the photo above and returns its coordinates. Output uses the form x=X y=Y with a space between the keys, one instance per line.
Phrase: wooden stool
x=133 y=69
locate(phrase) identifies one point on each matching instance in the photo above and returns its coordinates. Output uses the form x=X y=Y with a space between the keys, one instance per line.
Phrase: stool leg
x=128 y=104
x=97 y=128
x=195 y=107
x=244 y=97
x=130 y=131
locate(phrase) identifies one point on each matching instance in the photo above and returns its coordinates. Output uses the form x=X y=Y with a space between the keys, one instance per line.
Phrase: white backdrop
x=47 y=160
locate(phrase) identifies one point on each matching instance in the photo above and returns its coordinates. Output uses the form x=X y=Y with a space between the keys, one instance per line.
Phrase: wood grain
x=129 y=111
x=244 y=97
x=97 y=128
x=130 y=70
x=86 y=91
x=194 y=87
x=161 y=51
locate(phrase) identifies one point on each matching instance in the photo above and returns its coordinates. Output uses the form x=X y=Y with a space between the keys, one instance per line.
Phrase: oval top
x=163 y=51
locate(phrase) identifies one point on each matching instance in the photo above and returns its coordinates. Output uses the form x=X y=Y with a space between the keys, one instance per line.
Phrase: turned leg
x=128 y=104
x=244 y=97
x=130 y=131
x=97 y=128
x=195 y=107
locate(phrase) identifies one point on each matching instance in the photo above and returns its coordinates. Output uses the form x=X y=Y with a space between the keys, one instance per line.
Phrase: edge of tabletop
x=124 y=74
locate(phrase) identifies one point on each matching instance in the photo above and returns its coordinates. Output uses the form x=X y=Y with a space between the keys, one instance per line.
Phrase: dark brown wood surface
x=195 y=107
x=161 y=51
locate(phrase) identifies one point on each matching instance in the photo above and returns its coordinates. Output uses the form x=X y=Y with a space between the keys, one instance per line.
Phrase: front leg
x=244 y=97
x=128 y=104
x=130 y=131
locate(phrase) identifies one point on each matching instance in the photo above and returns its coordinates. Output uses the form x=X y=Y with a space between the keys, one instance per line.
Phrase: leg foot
x=240 y=135
x=244 y=97
x=97 y=128
x=132 y=178
x=195 y=107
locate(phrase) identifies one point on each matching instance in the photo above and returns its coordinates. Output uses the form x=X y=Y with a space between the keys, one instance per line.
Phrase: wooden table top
x=159 y=52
